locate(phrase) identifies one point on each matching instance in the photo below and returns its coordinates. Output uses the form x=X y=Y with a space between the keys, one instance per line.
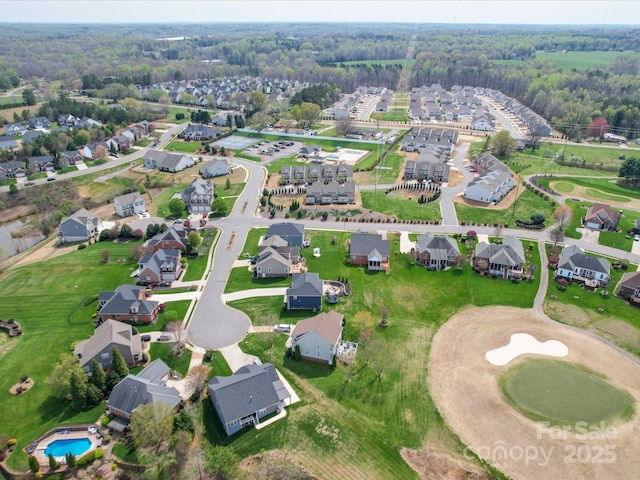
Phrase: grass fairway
x=564 y=393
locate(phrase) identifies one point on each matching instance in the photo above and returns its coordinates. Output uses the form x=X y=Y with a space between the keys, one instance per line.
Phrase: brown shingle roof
x=328 y=325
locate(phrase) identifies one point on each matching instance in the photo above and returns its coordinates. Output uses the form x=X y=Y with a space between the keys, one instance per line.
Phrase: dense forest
x=118 y=57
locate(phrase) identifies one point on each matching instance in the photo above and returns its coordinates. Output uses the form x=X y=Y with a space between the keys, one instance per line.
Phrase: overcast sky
x=561 y=12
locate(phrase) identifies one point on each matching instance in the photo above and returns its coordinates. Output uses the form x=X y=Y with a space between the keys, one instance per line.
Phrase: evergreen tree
x=70 y=459
x=79 y=385
x=34 y=465
x=53 y=463
x=93 y=395
x=118 y=363
x=112 y=380
x=98 y=377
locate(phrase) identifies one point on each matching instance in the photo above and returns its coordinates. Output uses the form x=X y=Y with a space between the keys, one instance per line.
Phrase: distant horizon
x=560 y=13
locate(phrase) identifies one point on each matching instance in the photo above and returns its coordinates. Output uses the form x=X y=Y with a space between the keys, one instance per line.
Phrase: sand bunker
x=523 y=343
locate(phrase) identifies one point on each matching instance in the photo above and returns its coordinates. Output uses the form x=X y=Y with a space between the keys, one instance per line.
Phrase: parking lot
x=276 y=149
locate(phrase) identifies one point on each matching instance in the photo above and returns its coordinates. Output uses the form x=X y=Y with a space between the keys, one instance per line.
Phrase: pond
x=10 y=246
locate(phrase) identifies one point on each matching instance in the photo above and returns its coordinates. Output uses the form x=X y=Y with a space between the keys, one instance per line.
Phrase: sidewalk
x=255 y=292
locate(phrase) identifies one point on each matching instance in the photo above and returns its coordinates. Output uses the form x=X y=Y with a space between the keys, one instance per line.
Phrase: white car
x=283 y=327
x=636 y=238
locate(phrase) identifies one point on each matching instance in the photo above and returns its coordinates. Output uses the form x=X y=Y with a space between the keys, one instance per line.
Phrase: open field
x=401 y=204
x=387 y=172
x=466 y=389
x=571 y=394
x=581 y=60
x=7 y=113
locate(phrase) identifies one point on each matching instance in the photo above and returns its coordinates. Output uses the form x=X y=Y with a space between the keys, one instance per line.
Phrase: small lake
x=10 y=246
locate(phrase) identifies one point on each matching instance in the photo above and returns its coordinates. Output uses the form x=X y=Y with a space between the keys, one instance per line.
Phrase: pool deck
x=39 y=449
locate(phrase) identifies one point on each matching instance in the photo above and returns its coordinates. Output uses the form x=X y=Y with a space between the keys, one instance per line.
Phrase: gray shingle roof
x=250 y=389
x=143 y=389
x=509 y=253
x=305 y=285
x=110 y=332
x=439 y=247
x=126 y=298
x=573 y=257
x=365 y=243
x=286 y=229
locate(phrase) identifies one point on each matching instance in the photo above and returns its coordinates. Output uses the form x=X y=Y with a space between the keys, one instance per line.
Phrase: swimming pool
x=59 y=448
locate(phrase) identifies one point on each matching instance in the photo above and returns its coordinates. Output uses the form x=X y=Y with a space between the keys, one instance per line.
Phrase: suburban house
x=251 y=393
x=105 y=338
x=129 y=204
x=67 y=120
x=87 y=123
x=369 y=249
x=167 y=162
x=30 y=137
x=161 y=267
x=148 y=386
x=629 y=287
x=14 y=169
x=41 y=164
x=14 y=129
x=436 y=252
x=7 y=141
x=305 y=292
x=89 y=151
x=127 y=304
x=80 y=226
x=504 y=260
x=317 y=338
x=293 y=233
x=67 y=159
x=197 y=197
x=276 y=258
x=37 y=123
x=601 y=217
x=174 y=237
x=575 y=265
x=199 y=133
x=494 y=180
x=215 y=168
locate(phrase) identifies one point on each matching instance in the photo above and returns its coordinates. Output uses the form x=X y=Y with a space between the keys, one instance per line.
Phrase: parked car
x=164 y=337
x=283 y=327
x=51 y=179
x=636 y=238
x=145 y=338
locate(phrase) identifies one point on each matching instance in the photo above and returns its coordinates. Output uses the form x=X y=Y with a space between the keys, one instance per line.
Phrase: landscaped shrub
x=82 y=246
x=34 y=466
x=88 y=458
x=105 y=421
x=11 y=442
x=99 y=453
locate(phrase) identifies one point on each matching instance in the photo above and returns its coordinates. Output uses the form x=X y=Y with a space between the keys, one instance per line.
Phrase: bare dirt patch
x=465 y=388
x=431 y=464
x=274 y=464
x=21 y=387
x=10 y=214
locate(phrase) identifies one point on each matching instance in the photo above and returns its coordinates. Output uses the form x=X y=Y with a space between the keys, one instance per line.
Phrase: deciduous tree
x=176 y=207
x=151 y=424
x=503 y=143
x=219 y=208
x=193 y=241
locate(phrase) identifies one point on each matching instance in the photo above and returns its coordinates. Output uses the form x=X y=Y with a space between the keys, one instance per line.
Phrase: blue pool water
x=59 y=448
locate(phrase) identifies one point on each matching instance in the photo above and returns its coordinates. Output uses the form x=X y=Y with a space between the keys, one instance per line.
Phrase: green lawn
x=375 y=416
x=124 y=453
x=172 y=115
x=197 y=265
x=400 y=207
x=42 y=297
x=526 y=205
x=218 y=366
x=161 y=201
x=179 y=306
x=182 y=146
x=241 y=279
x=163 y=350
x=563 y=394
x=251 y=243
x=386 y=173
x=234 y=189
x=246 y=156
x=393 y=115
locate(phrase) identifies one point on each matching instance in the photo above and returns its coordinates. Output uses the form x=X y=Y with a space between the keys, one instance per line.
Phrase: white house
x=574 y=264
x=494 y=182
x=214 y=168
x=317 y=338
x=129 y=204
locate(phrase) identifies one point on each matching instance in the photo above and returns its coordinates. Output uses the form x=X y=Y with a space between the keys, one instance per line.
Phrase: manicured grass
x=70 y=168
x=163 y=350
x=564 y=393
x=197 y=265
x=386 y=173
x=218 y=366
x=182 y=146
x=42 y=297
x=172 y=115
x=385 y=413
x=242 y=279
x=579 y=210
x=144 y=142
x=526 y=205
x=242 y=154
x=124 y=453
x=276 y=166
x=234 y=189
x=161 y=201
x=251 y=243
x=400 y=207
